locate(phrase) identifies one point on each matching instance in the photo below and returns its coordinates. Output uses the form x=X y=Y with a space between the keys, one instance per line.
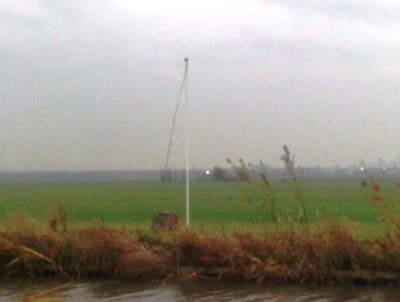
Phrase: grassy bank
x=327 y=255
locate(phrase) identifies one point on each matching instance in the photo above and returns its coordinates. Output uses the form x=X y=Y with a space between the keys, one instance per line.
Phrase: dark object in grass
x=165 y=222
x=53 y=224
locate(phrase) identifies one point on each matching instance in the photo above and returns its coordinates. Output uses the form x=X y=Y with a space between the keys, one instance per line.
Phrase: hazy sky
x=93 y=84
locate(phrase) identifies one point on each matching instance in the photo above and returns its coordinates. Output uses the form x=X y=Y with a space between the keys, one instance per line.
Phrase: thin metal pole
x=187 y=142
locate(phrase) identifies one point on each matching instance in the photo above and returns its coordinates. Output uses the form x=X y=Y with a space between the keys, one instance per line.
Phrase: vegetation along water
x=243 y=231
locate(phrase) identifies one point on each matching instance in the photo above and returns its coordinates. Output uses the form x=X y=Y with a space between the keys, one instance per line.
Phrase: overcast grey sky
x=93 y=84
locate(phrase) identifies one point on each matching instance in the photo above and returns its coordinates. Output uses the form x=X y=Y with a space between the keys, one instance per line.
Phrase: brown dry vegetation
x=328 y=255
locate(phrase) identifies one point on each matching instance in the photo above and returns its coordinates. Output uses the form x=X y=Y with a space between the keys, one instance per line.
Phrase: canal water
x=51 y=290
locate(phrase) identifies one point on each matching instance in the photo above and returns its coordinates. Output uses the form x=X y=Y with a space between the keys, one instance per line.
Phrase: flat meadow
x=216 y=206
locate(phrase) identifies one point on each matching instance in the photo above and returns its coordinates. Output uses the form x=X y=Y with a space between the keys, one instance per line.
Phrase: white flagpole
x=187 y=142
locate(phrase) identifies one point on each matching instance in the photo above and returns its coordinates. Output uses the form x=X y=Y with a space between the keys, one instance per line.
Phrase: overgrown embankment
x=329 y=255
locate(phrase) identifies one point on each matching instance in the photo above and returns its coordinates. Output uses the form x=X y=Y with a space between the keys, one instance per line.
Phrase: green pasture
x=214 y=205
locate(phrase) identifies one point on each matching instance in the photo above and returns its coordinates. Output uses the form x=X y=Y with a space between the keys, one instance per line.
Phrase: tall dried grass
x=289 y=161
x=259 y=185
x=329 y=254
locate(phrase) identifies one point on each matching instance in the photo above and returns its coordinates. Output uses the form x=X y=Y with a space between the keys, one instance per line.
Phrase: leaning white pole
x=187 y=143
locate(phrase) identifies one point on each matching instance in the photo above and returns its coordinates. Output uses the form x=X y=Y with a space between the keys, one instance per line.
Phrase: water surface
x=53 y=290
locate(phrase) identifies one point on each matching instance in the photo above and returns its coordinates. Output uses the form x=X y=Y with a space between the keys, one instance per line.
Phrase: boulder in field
x=165 y=222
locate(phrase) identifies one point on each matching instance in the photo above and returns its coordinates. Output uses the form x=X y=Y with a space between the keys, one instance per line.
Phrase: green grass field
x=214 y=205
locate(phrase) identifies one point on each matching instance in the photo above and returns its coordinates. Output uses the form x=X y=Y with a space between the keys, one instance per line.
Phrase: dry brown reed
x=329 y=255
x=289 y=161
x=377 y=199
x=326 y=255
x=257 y=184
